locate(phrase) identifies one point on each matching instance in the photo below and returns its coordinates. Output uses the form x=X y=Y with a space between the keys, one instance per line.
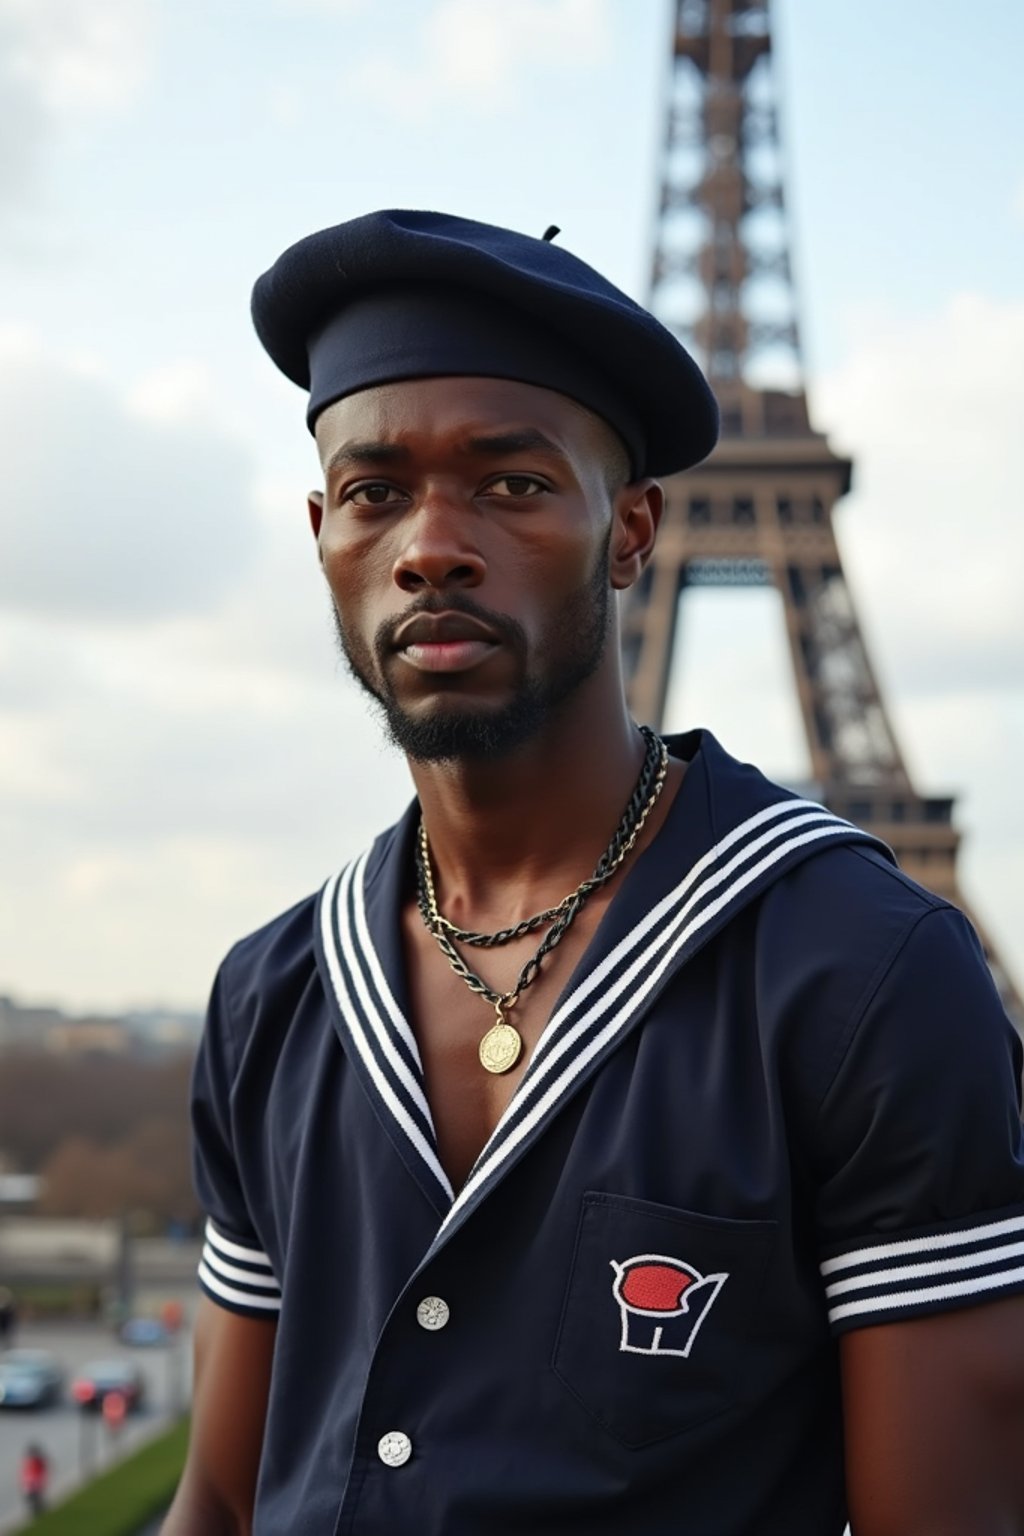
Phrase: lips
x=445 y=642
x=442 y=629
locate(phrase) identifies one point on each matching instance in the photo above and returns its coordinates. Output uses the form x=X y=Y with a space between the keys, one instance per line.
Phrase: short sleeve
x=234 y=1269
x=919 y=1163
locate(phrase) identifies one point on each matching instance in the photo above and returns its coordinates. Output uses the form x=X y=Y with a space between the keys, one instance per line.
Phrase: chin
x=450 y=733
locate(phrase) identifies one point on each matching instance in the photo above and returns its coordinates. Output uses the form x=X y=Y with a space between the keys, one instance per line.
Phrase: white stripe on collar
x=691 y=885
x=399 y=1022
x=365 y=1022
x=672 y=922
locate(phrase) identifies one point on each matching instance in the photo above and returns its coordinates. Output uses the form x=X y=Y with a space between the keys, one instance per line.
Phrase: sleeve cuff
x=237 y=1276
x=960 y=1265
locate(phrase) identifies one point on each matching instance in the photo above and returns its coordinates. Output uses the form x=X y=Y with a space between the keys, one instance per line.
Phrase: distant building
x=150 y=1032
x=163 y=1031
x=78 y=1035
x=25 y=1027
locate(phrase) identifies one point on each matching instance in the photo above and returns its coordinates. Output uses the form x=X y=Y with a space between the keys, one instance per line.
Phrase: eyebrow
x=484 y=445
x=525 y=440
x=366 y=453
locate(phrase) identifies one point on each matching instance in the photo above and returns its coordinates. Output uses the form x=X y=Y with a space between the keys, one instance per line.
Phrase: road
x=79 y=1445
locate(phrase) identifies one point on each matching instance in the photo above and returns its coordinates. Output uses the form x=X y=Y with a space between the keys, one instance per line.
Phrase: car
x=144 y=1332
x=30 y=1378
x=114 y=1376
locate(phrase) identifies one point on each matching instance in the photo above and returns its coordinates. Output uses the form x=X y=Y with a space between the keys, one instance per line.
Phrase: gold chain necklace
x=502 y=1045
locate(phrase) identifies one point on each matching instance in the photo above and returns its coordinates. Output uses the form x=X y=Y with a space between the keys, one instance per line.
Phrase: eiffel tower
x=759 y=511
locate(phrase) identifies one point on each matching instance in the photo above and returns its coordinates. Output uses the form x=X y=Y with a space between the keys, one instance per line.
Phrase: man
x=622 y=1143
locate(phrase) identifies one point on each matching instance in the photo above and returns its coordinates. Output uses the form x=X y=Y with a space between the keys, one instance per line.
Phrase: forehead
x=455 y=408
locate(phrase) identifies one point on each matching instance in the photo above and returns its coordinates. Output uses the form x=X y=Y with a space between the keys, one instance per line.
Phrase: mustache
x=507 y=629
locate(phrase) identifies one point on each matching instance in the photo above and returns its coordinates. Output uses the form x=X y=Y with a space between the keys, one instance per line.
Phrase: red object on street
x=33 y=1476
x=172 y=1315
x=97 y=1380
x=35 y=1470
x=115 y=1406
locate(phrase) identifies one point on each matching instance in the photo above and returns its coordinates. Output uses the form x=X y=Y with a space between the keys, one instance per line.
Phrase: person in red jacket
x=34 y=1477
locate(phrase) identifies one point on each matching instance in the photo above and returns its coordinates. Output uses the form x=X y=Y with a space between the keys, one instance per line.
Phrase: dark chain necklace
x=502 y=1045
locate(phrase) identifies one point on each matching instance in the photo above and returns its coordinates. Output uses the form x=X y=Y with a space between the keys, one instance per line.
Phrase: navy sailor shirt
x=776 y=1100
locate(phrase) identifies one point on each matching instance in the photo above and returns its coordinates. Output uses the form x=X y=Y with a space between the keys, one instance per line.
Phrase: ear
x=636 y=513
x=315 y=505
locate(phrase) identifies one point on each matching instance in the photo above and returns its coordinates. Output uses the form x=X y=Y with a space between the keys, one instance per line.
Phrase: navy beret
x=407 y=294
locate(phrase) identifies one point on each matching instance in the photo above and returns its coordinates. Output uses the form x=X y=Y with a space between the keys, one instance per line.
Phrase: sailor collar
x=729 y=834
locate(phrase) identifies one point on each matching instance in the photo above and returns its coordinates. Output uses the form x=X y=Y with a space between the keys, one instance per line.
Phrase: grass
x=120 y=1502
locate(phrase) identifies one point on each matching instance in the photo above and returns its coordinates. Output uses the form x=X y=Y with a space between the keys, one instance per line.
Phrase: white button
x=432 y=1313
x=394 y=1448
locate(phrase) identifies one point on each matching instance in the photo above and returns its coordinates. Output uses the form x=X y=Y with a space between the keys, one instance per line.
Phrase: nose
x=441 y=550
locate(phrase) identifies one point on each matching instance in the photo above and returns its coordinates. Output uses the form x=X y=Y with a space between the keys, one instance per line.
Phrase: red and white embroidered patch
x=663 y=1303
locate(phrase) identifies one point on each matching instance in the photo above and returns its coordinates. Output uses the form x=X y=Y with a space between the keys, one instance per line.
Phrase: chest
x=449 y=1021
x=664 y=1150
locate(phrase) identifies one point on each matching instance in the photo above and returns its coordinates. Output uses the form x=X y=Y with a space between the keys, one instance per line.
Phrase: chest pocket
x=658 y=1308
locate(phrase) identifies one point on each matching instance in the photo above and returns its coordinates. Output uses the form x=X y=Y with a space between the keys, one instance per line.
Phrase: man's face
x=464 y=534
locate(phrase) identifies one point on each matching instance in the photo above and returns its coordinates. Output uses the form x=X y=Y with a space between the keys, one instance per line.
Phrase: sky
x=182 y=754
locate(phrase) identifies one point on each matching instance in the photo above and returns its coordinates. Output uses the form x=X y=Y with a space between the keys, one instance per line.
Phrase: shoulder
x=872 y=985
x=846 y=937
x=271 y=959
x=818 y=896
x=840 y=944
x=847 y=909
x=830 y=899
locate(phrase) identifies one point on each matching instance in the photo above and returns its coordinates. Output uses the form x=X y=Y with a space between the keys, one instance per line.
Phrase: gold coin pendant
x=501 y=1047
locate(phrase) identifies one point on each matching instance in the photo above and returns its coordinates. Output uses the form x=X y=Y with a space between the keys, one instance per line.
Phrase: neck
x=511 y=836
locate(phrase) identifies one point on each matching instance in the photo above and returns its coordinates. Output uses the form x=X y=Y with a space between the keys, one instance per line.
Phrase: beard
x=567 y=655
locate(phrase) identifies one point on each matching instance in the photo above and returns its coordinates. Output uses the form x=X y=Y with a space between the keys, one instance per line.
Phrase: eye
x=371 y=493
x=518 y=486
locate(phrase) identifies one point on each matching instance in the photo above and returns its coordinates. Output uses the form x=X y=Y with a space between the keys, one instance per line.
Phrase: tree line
x=106 y=1134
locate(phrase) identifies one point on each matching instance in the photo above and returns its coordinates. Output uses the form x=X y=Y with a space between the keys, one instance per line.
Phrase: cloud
x=26 y=128
x=323 y=7
x=930 y=536
x=490 y=52
x=287 y=105
x=970 y=743
x=933 y=545
x=78 y=56
x=62 y=62
x=171 y=795
x=113 y=512
x=181 y=753
x=478 y=45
